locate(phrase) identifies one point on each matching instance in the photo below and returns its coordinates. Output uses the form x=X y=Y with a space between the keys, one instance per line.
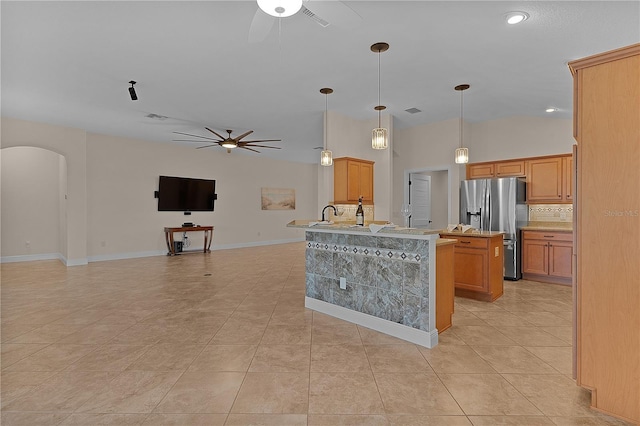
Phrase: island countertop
x=351 y=228
x=471 y=233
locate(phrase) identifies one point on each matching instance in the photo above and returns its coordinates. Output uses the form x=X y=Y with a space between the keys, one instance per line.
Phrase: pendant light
x=462 y=154
x=326 y=157
x=379 y=136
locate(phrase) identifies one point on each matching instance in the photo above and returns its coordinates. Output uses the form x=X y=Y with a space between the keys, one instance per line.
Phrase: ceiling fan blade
x=221 y=137
x=243 y=135
x=263 y=140
x=189 y=140
x=260 y=26
x=195 y=136
x=206 y=146
x=261 y=146
x=334 y=12
x=244 y=147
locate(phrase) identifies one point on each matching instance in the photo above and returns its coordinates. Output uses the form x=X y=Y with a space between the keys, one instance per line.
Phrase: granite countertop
x=548 y=226
x=474 y=233
x=445 y=241
x=350 y=227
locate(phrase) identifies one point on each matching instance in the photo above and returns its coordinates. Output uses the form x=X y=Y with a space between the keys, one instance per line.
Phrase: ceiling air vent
x=314 y=17
x=413 y=110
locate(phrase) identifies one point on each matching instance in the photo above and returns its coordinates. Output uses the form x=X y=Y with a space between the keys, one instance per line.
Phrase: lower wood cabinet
x=444 y=283
x=479 y=265
x=547 y=256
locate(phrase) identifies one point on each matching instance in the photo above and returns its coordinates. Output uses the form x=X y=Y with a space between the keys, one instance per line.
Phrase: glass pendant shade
x=462 y=155
x=379 y=138
x=326 y=158
x=280 y=8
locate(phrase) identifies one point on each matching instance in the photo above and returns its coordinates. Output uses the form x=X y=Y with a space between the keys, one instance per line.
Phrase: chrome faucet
x=326 y=207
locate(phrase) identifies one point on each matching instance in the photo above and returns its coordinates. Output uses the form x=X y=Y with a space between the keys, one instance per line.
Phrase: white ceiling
x=69 y=63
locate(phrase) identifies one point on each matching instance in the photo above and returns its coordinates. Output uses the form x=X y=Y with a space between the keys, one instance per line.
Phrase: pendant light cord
x=461 y=112
x=326 y=108
x=378 y=88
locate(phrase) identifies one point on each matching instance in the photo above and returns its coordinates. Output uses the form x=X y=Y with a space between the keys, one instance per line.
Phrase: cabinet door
x=560 y=257
x=353 y=181
x=534 y=257
x=480 y=171
x=567 y=166
x=544 y=180
x=366 y=181
x=510 y=169
x=472 y=269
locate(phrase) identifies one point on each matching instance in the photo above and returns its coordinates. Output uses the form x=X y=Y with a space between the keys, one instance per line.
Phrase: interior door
x=420 y=200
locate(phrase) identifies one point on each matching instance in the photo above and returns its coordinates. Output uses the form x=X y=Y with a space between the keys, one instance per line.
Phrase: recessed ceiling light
x=551 y=109
x=516 y=17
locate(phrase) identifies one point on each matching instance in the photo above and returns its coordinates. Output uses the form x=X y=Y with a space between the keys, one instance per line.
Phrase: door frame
x=447 y=168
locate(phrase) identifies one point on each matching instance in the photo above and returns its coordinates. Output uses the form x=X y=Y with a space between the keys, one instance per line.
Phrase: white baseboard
x=44 y=256
x=32 y=258
x=410 y=334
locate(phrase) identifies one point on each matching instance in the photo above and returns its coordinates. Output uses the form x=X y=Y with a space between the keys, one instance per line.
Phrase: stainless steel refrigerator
x=497 y=205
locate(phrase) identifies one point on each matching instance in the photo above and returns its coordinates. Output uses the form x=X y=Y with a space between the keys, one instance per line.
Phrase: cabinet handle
x=549 y=236
x=465 y=242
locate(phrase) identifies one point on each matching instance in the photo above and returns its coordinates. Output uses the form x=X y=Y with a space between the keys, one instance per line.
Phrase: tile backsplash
x=350 y=212
x=550 y=212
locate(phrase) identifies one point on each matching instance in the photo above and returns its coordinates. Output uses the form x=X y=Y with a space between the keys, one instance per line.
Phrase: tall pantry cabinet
x=607 y=249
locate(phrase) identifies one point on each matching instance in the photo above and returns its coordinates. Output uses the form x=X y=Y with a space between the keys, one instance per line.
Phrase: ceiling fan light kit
x=280 y=8
x=379 y=136
x=326 y=156
x=462 y=154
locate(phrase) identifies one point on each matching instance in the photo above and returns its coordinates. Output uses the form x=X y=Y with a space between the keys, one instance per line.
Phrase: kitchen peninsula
x=383 y=280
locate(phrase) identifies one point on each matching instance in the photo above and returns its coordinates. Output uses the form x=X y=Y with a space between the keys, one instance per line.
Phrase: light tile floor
x=224 y=338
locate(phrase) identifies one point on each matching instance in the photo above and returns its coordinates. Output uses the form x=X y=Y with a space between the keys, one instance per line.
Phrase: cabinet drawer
x=481 y=243
x=549 y=236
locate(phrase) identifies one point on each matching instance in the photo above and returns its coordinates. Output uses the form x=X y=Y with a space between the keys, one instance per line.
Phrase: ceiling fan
x=229 y=143
x=323 y=12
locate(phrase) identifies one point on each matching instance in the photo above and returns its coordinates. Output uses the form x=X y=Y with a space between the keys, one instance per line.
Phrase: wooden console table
x=208 y=237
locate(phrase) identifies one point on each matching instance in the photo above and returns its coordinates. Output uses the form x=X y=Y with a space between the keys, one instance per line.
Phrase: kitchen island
x=479 y=264
x=383 y=279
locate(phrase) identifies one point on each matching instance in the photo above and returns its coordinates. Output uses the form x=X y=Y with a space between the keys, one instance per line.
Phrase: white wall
x=518 y=137
x=109 y=210
x=123 y=175
x=70 y=143
x=30 y=202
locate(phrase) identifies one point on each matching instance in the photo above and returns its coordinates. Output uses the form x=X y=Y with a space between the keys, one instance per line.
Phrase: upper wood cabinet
x=510 y=169
x=481 y=171
x=496 y=169
x=607 y=295
x=352 y=179
x=567 y=167
x=549 y=180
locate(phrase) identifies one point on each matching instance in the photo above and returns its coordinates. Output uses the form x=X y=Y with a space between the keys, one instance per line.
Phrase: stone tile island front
x=383 y=279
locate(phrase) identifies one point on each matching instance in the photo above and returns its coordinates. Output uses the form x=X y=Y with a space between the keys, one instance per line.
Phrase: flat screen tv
x=186 y=194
